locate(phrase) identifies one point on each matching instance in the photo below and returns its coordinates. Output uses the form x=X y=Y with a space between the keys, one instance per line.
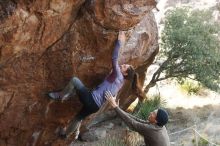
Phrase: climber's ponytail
x=133 y=77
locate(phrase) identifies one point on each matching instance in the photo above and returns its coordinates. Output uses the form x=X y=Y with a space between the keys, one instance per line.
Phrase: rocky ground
x=206 y=119
x=207 y=122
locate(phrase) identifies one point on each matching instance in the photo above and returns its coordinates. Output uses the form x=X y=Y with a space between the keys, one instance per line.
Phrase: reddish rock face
x=44 y=43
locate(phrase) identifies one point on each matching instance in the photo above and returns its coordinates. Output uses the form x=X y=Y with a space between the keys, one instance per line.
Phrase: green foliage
x=148 y=106
x=191 y=87
x=203 y=142
x=190 y=47
x=112 y=142
x=193 y=141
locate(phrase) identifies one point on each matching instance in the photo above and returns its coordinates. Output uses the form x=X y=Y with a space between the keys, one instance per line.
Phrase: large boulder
x=44 y=43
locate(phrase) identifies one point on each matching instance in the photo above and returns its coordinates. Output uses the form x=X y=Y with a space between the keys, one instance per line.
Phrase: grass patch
x=191 y=87
x=148 y=106
x=112 y=142
x=133 y=138
x=203 y=142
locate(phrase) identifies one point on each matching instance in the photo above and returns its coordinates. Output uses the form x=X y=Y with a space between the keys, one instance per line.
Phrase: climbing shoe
x=55 y=95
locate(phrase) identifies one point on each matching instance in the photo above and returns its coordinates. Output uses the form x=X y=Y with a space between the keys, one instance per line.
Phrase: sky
x=162 y=5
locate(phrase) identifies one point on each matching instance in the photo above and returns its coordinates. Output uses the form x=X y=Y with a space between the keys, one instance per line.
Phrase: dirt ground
x=206 y=119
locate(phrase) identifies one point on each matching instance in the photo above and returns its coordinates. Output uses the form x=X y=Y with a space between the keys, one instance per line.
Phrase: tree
x=190 y=48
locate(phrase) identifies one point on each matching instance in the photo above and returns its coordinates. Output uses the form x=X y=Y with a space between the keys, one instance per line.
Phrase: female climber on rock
x=93 y=100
